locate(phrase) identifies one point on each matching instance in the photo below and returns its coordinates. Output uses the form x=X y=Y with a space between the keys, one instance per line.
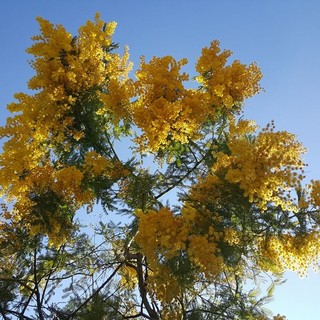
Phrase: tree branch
x=97 y=291
x=142 y=289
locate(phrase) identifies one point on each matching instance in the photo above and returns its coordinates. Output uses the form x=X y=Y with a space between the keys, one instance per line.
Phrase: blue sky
x=281 y=36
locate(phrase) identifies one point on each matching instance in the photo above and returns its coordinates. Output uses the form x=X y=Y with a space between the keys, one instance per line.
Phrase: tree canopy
x=222 y=208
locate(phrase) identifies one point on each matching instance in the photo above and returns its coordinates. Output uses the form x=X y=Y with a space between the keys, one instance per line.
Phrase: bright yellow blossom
x=166 y=111
x=226 y=85
x=291 y=252
x=236 y=211
x=264 y=166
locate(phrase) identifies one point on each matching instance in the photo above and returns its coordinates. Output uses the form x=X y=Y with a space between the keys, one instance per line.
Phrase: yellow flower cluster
x=161 y=232
x=160 y=78
x=129 y=277
x=265 y=166
x=47 y=200
x=309 y=196
x=163 y=284
x=96 y=165
x=231 y=236
x=205 y=254
x=226 y=85
x=66 y=69
x=315 y=193
x=292 y=252
x=166 y=111
x=207 y=190
x=26 y=147
x=117 y=100
x=67 y=65
x=67 y=184
x=163 y=235
x=73 y=74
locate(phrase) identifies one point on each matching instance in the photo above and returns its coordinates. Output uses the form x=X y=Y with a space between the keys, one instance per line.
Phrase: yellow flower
x=166 y=111
x=205 y=255
x=264 y=166
x=292 y=252
x=315 y=193
x=226 y=85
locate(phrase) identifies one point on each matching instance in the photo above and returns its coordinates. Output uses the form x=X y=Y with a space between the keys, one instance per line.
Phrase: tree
x=239 y=214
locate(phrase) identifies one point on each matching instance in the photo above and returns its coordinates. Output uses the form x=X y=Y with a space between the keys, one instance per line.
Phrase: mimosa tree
x=239 y=211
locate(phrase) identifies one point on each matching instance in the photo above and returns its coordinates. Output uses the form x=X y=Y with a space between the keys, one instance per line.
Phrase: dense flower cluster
x=66 y=67
x=47 y=200
x=163 y=236
x=289 y=252
x=95 y=165
x=226 y=86
x=314 y=193
x=129 y=277
x=167 y=112
x=65 y=64
x=265 y=166
x=169 y=235
x=77 y=78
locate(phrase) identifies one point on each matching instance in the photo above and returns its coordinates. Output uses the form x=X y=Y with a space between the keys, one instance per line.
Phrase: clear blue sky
x=282 y=36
